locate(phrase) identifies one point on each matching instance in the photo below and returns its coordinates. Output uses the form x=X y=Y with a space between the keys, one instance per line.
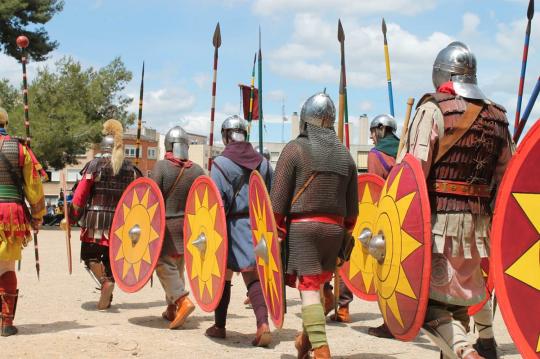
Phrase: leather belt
x=460 y=188
x=238 y=215
x=319 y=218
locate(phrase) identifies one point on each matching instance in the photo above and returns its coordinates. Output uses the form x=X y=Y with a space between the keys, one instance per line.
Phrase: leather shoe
x=216 y=332
x=184 y=308
x=322 y=352
x=381 y=331
x=342 y=315
x=169 y=313
x=302 y=345
x=263 y=338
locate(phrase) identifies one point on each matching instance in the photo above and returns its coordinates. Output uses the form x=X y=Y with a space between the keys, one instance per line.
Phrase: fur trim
x=114 y=128
x=3 y=116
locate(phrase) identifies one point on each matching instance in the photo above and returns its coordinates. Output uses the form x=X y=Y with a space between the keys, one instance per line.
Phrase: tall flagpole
x=530 y=14
x=22 y=43
x=216 y=41
x=388 y=74
x=260 y=102
x=139 y=121
x=251 y=96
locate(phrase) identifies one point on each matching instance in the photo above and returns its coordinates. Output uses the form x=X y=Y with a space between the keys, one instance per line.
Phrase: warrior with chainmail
x=104 y=180
x=230 y=172
x=174 y=175
x=20 y=181
x=381 y=159
x=462 y=141
x=315 y=201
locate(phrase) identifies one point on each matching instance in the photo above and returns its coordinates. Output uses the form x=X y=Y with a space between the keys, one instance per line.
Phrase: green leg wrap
x=314 y=324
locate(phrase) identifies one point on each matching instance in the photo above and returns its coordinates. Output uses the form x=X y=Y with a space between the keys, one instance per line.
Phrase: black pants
x=93 y=252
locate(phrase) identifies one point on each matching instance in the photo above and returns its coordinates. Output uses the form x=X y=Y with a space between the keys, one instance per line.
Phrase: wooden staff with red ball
x=22 y=43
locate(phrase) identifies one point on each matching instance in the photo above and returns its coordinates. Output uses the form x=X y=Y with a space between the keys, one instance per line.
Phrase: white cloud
x=348 y=7
x=366 y=106
x=202 y=80
x=275 y=95
x=230 y=109
x=11 y=69
x=470 y=24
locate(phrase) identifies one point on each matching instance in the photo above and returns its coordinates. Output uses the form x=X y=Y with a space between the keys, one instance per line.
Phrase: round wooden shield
x=357 y=273
x=473 y=309
x=267 y=248
x=137 y=234
x=404 y=225
x=515 y=246
x=205 y=243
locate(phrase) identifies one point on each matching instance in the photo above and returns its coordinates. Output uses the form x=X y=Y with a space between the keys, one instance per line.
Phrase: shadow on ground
x=115 y=307
x=48 y=328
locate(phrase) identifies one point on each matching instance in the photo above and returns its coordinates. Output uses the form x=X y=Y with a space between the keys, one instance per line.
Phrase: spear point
x=217 y=37
x=383 y=27
x=340 y=32
x=530 y=10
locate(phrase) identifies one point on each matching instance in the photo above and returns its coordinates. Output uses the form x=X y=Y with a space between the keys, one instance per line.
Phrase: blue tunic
x=228 y=177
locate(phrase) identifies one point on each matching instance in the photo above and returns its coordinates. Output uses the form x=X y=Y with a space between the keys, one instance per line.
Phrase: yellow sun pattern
x=390 y=277
x=361 y=262
x=138 y=213
x=260 y=232
x=204 y=265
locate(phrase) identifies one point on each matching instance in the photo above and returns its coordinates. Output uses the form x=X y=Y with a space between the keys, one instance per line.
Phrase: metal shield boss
x=267 y=248
x=357 y=273
x=205 y=243
x=515 y=246
x=137 y=234
x=401 y=249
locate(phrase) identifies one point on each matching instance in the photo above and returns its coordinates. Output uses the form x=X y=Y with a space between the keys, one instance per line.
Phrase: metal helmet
x=234 y=128
x=318 y=110
x=265 y=152
x=457 y=63
x=384 y=120
x=177 y=142
x=107 y=144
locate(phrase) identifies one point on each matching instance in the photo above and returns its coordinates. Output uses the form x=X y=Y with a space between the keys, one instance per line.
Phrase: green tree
x=10 y=97
x=69 y=105
x=23 y=17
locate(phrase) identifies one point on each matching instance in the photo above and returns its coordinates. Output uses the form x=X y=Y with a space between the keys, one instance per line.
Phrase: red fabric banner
x=246 y=92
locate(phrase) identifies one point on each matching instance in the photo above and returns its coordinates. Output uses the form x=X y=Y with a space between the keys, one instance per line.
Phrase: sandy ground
x=56 y=318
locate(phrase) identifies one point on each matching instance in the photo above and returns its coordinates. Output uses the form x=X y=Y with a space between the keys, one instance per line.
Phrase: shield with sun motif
x=401 y=249
x=515 y=245
x=137 y=234
x=267 y=248
x=484 y=264
x=357 y=273
x=205 y=243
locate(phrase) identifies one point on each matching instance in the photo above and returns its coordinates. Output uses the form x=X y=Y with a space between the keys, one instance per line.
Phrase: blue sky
x=300 y=51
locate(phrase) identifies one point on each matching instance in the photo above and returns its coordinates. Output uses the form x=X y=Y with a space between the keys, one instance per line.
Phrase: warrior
x=315 y=201
x=381 y=159
x=20 y=181
x=230 y=172
x=175 y=175
x=103 y=181
x=462 y=141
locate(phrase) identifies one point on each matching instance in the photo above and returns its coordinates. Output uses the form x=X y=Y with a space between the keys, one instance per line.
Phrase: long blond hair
x=114 y=128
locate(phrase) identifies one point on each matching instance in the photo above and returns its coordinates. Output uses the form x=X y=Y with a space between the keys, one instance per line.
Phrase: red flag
x=246 y=91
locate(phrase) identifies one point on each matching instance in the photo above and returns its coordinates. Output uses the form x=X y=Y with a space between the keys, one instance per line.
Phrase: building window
x=130 y=151
x=152 y=153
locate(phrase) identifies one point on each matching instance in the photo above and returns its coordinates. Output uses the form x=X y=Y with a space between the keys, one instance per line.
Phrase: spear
x=388 y=75
x=139 y=122
x=251 y=96
x=527 y=112
x=530 y=14
x=216 y=41
x=343 y=116
x=260 y=97
x=66 y=220
x=22 y=43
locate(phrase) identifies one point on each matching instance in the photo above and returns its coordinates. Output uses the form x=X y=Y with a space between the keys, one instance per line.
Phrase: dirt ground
x=56 y=318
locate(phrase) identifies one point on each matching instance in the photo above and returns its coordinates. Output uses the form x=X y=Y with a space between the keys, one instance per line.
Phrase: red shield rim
x=517 y=295
x=473 y=309
x=357 y=283
x=140 y=187
x=407 y=295
x=208 y=293
x=261 y=217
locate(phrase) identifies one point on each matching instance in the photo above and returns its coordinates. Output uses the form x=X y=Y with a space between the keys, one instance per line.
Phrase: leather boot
x=342 y=315
x=105 y=298
x=322 y=352
x=8 y=306
x=184 y=308
x=486 y=347
x=328 y=297
x=381 y=331
x=216 y=332
x=263 y=337
x=169 y=313
x=302 y=345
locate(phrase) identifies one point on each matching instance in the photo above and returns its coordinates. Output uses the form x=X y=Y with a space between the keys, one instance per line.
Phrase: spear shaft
x=216 y=41
x=63 y=180
x=527 y=112
x=388 y=73
x=530 y=14
x=343 y=115
x=260 y=97
x=139 y=121
x=251 y=96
